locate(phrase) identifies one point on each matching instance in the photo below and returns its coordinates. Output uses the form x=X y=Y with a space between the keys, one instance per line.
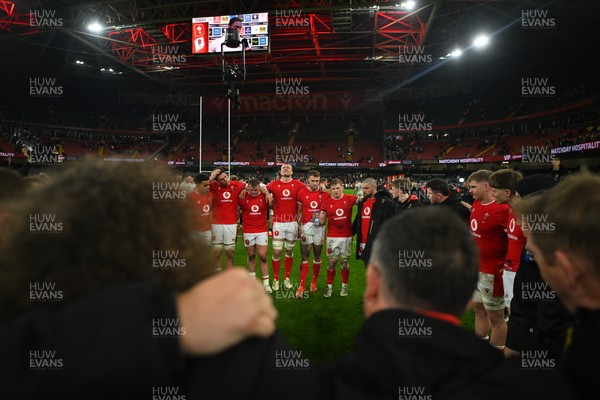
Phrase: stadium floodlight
x=79 y=62
x=456 y=53
x=408 y=5
x=95 y=27
x=481 y=41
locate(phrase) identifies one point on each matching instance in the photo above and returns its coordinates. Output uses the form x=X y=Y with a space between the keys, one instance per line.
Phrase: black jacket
x=442 y=360
x=383 y=208
x=101 y=347
x=581 y=352
x=255 y=369
x=407 y=205
x=538 y=318
x=454 y=203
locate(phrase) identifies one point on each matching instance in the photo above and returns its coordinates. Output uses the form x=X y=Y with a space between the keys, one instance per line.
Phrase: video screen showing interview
x=208 y=33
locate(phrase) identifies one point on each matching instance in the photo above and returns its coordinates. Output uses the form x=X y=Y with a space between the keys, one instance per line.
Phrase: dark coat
x=538 y=318
x=581 y=352
x=101 y=346
x=453 y=202
x=383 y=209
x=445 y=360
x=411 y=202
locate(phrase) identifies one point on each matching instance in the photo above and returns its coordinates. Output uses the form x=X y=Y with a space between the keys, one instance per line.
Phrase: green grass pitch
x=322 y=328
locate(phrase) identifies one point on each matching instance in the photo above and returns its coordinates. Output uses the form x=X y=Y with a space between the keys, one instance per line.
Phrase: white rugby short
x=285 y=231
x=339 y=248
x=489 y=292
x=258 y=239
x=312 y=234
x=224 y=233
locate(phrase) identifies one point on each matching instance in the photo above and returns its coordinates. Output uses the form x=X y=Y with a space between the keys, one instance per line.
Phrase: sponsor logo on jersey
x=474 y=225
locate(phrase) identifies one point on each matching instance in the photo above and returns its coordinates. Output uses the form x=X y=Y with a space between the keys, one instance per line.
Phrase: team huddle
x=299 y=211
x=320 y=218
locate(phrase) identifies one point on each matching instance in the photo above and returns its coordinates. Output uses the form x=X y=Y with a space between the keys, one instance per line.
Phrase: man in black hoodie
x=373 y=210
x=438 y=192
x=538 y=317
x=422 y=272
x=562 y=226
x=403 y=200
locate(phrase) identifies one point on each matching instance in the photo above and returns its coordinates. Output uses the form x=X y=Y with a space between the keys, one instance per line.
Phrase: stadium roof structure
x=329 y=44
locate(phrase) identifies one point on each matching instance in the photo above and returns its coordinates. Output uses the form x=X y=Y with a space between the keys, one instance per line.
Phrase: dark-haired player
x=201 y=198
x=312 y=236
x=225 y=215
x=488 y=223
x=503 y=183
x=338 y=209
x=285 y=223
x=438 y=192
x=255 y=213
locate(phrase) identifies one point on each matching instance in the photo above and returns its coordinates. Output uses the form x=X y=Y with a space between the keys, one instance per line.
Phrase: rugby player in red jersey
x=312 y=235
x=255 y=212
x=201 y=200
x=225 y=214
x=503 y=184
x=488 y=224
x=285 y=223
x=338 y=209
x=373 y=210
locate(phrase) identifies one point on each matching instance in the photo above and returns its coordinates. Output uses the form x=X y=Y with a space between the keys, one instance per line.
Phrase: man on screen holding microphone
x=215 y=45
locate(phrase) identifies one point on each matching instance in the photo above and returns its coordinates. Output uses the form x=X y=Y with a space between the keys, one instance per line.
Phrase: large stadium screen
x=208 y=33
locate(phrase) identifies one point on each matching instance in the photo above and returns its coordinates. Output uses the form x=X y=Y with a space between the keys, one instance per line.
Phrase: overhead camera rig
x=233 y=74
